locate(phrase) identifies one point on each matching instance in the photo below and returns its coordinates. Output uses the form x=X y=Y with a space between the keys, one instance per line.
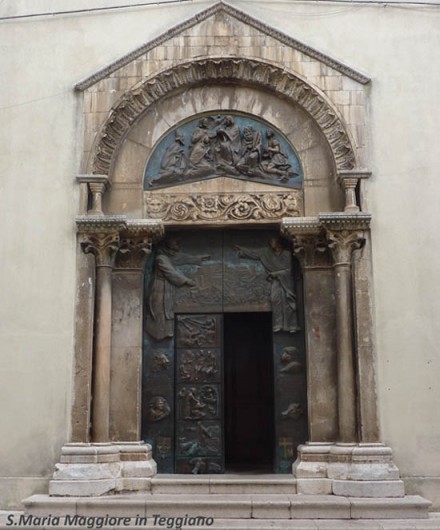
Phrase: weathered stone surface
x=368 y=488
x=86 y=487
x=314 y=486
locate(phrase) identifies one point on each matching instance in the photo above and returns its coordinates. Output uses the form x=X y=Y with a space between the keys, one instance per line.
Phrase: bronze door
x=194 y=280
x=199 y=394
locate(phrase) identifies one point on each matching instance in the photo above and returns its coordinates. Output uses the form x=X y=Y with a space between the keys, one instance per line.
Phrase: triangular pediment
x=233 y=23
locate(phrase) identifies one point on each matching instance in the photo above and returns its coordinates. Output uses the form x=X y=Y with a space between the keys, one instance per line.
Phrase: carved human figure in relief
x=274 y=160
x=227 y=144
x=160 y=306
x=200 y=156
x=158 y=409
x=277 y=262
x=174 y=161
x=250 y=160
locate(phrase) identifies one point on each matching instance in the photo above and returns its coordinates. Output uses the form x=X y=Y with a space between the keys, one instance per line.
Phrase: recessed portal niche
x=208 y=296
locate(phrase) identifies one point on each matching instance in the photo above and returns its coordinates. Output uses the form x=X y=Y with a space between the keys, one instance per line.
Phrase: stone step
x=227 y=484
x=430 y=523
x=232 y=506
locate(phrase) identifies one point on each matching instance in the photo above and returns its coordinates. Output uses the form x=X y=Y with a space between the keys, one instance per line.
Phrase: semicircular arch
x=250 y=72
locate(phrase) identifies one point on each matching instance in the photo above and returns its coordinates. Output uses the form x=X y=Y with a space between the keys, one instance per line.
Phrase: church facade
x=222 y=267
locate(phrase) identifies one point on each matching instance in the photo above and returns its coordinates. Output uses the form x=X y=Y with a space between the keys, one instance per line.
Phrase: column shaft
x=346 y=378
x=103 y=333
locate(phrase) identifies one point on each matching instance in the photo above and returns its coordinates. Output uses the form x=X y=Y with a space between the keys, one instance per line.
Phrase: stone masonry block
x=314 y=486
x=369 y=488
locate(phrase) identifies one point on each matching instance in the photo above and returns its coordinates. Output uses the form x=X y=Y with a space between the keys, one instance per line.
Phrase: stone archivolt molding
x=251 y=72
x=210 y=207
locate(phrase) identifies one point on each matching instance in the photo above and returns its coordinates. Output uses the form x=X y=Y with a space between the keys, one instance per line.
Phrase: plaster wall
x=41 y=60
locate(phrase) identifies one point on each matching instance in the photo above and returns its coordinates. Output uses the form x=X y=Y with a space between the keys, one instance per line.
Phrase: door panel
x=199 y=401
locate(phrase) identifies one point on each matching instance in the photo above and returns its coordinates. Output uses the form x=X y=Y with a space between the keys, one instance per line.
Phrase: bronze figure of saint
x=160 y=306
x=173 y=163
x=275 y=161
x=158 y=409
x=277 y=262
x=227 y=144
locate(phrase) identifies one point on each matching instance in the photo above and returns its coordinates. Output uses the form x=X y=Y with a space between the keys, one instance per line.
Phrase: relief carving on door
x=191 y=280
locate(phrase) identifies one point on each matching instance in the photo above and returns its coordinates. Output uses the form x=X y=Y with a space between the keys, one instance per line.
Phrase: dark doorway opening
x=249 y=396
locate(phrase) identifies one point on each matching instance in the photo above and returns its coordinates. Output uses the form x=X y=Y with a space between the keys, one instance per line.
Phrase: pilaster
x=310 y=248
x=127 y=319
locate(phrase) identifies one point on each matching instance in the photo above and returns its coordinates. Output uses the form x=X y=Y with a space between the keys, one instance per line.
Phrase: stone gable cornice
x=222 y=7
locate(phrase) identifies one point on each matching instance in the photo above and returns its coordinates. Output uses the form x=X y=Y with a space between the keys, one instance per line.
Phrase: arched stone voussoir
x=219 y=71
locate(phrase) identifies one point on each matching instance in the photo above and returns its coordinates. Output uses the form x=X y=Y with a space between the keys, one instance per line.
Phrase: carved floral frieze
x=212 y=207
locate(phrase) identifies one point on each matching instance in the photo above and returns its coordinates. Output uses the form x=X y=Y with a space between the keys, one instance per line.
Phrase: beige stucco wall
x=41 y=60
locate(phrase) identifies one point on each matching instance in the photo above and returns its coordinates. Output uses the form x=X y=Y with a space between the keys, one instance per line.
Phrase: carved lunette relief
x=134 y=102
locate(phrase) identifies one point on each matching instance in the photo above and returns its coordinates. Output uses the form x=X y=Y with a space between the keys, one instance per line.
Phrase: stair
x=239 y=502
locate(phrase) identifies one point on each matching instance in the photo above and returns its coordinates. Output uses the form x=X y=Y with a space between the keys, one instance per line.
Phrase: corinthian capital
x=100 y=236
x=102 y=246
x=342 y=243
x=136 y=242
x=345 y=233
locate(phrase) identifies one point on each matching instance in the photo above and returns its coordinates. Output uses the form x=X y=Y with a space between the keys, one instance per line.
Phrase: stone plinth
x=87 y=470
x=351 y=470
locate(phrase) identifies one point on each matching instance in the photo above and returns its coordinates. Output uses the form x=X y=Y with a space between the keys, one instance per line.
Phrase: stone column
x=128 y=301
x=344 y=234
x=101 y=467
x=100 y=237
x=349 y=180
x=97 y=185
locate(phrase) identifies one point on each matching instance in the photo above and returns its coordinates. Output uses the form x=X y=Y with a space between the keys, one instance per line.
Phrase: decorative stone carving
x=134 y=102
x=182 y=208
x=342 y=243
x=103 y=236
x=100 y=236
x=233 y=145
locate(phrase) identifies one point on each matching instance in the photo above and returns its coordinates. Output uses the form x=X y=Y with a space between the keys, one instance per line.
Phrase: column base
x=87 y=470
x=350 y=470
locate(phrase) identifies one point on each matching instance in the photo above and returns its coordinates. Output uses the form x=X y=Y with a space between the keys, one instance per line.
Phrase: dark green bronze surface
x=192 y=279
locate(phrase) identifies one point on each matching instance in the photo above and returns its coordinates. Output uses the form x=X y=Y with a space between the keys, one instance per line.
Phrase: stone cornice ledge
x=345 y=221
x=120 y=223
x=291 y=226
x=145 y=227
x=101 y=223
